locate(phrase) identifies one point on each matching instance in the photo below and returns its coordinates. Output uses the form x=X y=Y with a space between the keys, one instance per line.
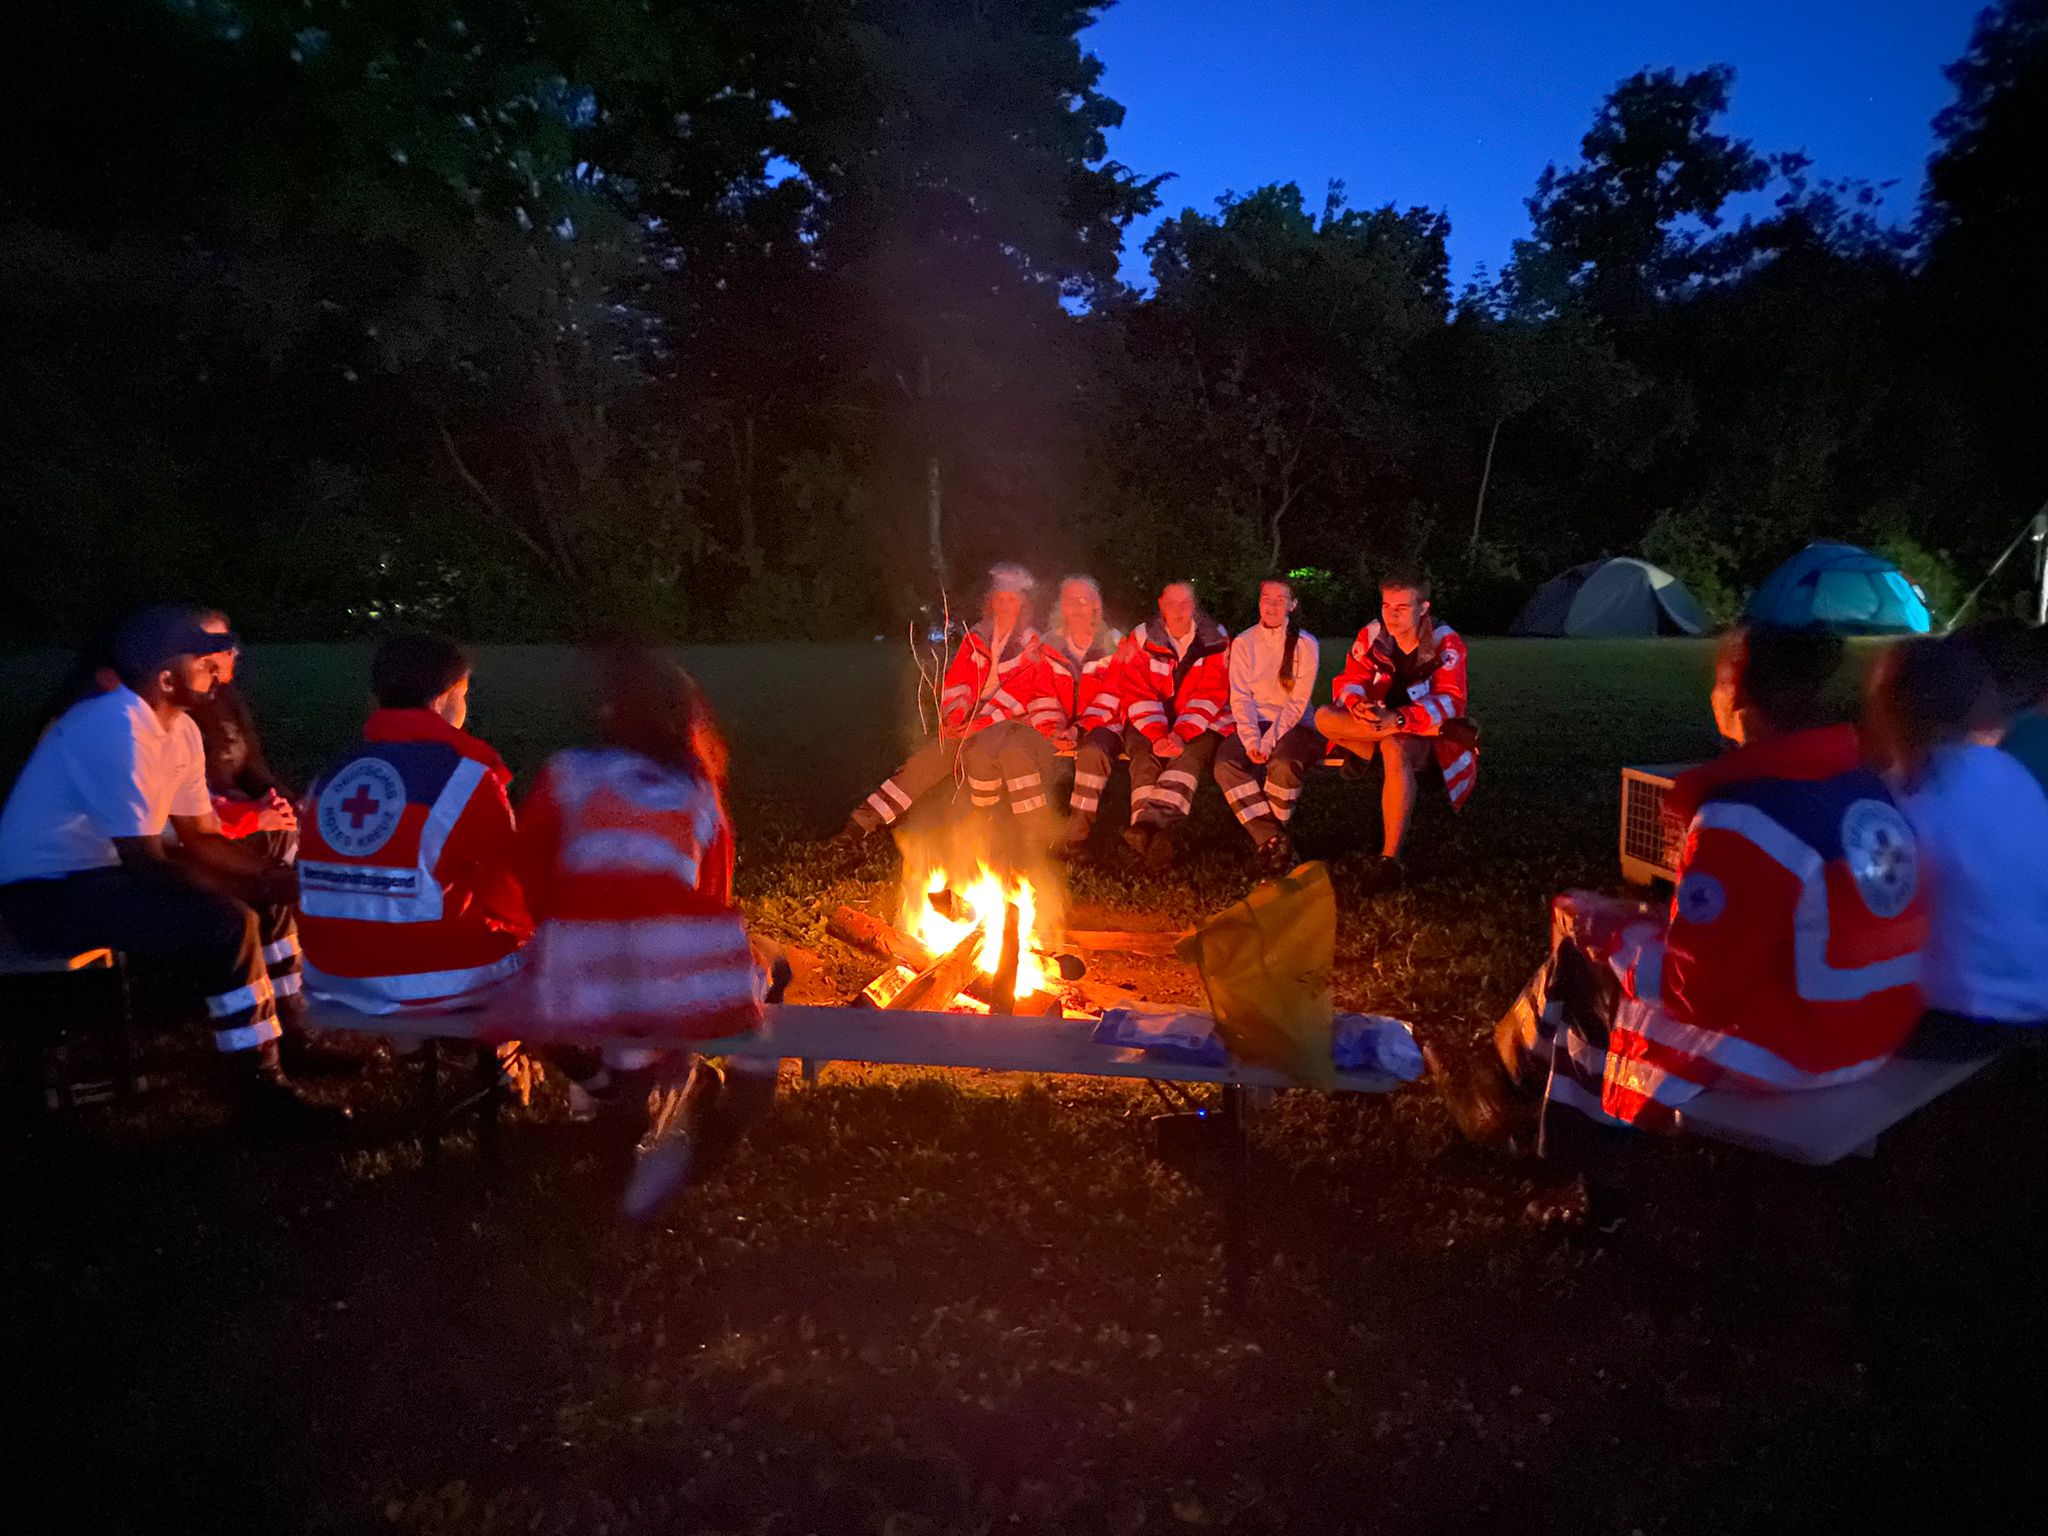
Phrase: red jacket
x=962 y=708
x=1077 y=690
x=407 y=891
x=1792 y=956
x=628 y=865
x=1161 y=689
x=1368 y=675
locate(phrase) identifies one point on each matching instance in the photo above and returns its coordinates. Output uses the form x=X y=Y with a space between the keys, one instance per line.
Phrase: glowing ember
x=984 y=898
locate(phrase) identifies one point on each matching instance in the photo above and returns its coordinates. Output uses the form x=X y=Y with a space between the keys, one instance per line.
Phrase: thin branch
x=483 y=496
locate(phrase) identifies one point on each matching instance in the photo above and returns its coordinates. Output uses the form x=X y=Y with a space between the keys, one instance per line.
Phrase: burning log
x=1005 y=999
x=852 y=926
x=938 y=984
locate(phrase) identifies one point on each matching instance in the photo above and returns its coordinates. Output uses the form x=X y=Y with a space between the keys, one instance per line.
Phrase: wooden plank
x=1122 y=942
x=1828 y=1124
x=1063 y=1047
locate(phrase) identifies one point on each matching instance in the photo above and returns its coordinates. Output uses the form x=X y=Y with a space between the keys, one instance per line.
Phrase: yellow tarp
x=1266 y=964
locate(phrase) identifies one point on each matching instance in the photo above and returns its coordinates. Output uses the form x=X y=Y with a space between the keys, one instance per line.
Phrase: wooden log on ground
x=1116 y=941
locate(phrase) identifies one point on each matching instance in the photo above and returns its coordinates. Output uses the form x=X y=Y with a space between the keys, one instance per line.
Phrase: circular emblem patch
x=360 y=807
x=1701 y=898
x=1878 y=846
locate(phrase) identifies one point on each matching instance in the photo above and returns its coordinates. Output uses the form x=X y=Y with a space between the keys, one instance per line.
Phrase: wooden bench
x=73 y=1068
x=1829 y=1124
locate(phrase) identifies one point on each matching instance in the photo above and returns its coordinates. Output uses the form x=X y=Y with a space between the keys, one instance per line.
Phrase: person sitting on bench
x=1079 y=708
x=1982 y=821
x=1402 y=698
x=1790 y=957
x=85 y=862
x=1173 y=676
x=627 y=856
x=409 y=893
x=983 y=726
x=249 y=796
x=1262 y=762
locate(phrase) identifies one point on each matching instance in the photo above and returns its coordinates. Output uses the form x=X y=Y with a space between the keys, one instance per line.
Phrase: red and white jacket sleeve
x=1205 y=697
x=962 y=688
x=483 y=855
x=1448 y=691
x=1360 y=681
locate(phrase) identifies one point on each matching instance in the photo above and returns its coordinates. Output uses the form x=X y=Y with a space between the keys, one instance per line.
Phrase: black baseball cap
x=154 y=637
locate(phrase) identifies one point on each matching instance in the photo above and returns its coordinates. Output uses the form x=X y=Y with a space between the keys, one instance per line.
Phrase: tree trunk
x=1479 y=508
x=934 y=503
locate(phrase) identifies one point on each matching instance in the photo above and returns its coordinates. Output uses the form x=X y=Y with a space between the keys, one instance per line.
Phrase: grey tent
x=1613 y=597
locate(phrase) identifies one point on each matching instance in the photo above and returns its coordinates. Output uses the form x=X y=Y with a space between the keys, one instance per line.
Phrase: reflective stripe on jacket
x=408 y=895
x=629 y=865
x=1163 y=690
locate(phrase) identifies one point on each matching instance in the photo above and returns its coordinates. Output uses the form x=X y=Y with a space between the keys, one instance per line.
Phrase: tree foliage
x=526 y=315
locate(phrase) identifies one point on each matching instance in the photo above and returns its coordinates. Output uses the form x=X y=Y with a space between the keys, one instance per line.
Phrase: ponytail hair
x=1293 y=629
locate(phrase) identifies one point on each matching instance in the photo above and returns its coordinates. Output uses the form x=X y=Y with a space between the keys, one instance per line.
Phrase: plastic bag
x=1167 y=1033
x=1266 y=965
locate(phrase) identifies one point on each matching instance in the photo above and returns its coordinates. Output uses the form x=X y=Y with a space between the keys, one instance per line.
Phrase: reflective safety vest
x=1432 y=703
x=1792 y=956
x=972 y=700
x=1078 y=689
x=1163 y=690
x=408 y=889
x=628 y=864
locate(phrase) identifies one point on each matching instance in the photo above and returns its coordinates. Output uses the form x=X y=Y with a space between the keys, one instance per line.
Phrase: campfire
x=944 y=913
x=973 y=933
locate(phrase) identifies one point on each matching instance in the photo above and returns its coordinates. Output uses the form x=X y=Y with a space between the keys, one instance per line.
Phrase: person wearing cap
x=85 y=861
x=985 y=727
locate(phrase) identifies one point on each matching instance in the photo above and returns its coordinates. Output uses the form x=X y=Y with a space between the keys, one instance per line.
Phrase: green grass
x=947 y=1302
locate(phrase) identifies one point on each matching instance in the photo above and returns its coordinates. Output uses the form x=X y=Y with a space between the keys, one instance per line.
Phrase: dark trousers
x=1262 y=796
x=1095 y=757
x=220 y=947
x=1163 y=789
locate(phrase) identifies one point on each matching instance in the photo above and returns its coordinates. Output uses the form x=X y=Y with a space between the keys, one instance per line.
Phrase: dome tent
x=1612 y=597
x=1843 y=588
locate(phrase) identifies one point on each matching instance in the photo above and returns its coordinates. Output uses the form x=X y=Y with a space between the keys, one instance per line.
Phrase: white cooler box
x=1651 y=840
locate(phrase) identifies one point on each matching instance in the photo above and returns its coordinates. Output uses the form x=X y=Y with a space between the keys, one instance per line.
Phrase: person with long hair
x=1265 y=757
x=626 y=857
x=1078 y=707
x=1931 y=711
x=985 y=729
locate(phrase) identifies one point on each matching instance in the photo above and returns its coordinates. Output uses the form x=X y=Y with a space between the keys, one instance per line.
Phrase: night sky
x=1458 y=105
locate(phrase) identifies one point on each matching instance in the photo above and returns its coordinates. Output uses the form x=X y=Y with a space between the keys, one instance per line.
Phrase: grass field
x=930 y=1302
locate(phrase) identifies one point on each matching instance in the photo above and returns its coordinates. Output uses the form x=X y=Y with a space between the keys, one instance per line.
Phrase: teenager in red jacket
x=409 y=896
x=1402 y=698
x=1790 y=958
x=985 y=731
x=626 y=855
x=1173 y=675
x=1079 y=709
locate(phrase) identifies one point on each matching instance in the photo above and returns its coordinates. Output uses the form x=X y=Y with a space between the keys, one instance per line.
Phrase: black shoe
x=303 y=1058
x=1275 y=855
x=270 y=1104
x=1384 y=874
x=1138 y=839
x=1161 y=851
x=1352 y=767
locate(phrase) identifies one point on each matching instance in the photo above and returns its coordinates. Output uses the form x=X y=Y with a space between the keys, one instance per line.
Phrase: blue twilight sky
x=1458 y=104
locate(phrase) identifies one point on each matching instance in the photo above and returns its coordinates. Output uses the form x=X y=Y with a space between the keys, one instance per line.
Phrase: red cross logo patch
x=360 y=807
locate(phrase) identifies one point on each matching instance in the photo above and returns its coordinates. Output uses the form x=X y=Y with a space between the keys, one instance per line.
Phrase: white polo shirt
x=106 y=768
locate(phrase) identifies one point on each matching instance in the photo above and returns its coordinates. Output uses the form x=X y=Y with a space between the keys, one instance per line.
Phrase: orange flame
x=985 y=897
